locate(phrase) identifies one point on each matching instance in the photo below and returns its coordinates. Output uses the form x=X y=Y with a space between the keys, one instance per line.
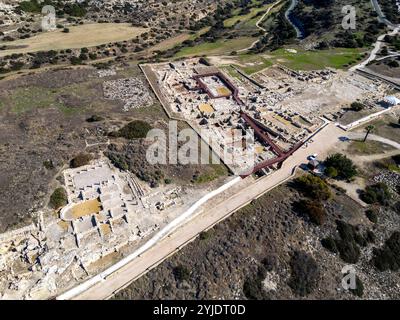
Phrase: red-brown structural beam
x=261 y=135
x=282 y=156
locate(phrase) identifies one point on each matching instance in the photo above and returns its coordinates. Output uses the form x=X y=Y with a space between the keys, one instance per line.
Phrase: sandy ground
x=87 y=35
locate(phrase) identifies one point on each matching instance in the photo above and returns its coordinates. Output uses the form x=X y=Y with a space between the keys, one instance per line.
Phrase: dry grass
x=86 y=208
x=105 y=229
x=88 y=35
x=206 y=108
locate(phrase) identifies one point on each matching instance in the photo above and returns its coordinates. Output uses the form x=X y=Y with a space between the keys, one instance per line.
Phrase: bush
x=348 y=250
x=134 y=130
x=330 y=244
x=80 y=160
x=75 y=60
x=356 y=106
x=205 y=235
x=371 y=215
x=181 y=273
x=253 y=287
x=118 y=161
x=344 y=166
x=58 y=199
x=94 y=118
x=304 y=273
x=348 y=243
x=314 y=210
x=313 y=187
x=388 y=257
x=377 y=193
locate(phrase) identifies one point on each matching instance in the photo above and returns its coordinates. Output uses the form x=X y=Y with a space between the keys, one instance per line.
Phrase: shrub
x=371 y=215
x=348 y=243
x=181 y=273
x=377 y=193
x=58 y=199
x=313 y=187
x=388 y=257
x=94 y=118
x=75 y=60
x=205 y=235
x=314 y=210
x=356 y=106
x=344 y=166
x=48 y=164
x=348 y=250
x=253 y=287
x=393 y=64
x=304 y=273
x=80 y=160
x=134 y=130
x=118 y=161
x=330 y=244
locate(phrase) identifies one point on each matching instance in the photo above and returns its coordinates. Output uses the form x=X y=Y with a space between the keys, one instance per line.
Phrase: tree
x=369 y=129
x=331 y=172
x=344 y=166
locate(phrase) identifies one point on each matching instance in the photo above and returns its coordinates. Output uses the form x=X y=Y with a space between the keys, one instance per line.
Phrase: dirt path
x=259 y=27
x=374 y=137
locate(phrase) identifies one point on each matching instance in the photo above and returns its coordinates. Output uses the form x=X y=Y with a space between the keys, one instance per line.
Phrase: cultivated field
x=88 y=35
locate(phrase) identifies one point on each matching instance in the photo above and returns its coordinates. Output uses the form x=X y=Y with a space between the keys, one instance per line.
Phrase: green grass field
x=337 y=58
x=302 y=60
x=219 y=47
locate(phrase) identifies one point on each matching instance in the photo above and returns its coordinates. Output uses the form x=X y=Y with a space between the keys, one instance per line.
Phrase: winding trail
x=379 y=42
x=260 y=27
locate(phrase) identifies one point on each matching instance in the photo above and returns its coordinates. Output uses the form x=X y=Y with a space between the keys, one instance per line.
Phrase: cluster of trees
x=72 y=9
